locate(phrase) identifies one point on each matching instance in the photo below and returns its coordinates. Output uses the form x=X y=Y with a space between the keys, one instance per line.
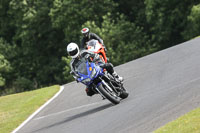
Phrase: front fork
x=107 y=86
x=96 y=89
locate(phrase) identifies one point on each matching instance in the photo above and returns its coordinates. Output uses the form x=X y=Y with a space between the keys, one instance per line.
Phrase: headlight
x=93 y=73
x=85 y=81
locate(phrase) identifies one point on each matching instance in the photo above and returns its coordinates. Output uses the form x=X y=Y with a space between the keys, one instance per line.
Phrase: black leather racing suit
x=90 y=37
x=87 y=54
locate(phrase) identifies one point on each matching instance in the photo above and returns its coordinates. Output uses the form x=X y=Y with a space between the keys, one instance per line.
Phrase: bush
x=23 y=84
x=66 y=70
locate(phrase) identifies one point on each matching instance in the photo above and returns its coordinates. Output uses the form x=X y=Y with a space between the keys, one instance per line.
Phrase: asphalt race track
x=163 y=86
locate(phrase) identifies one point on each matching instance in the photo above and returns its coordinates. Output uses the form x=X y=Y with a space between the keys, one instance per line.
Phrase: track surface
x=162 y=86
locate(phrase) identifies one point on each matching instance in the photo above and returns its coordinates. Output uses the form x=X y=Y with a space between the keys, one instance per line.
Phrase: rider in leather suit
x=76 y=54
x=87 y=36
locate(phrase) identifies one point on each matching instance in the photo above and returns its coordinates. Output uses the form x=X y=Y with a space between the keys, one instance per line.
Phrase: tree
x=5 y=66
x=7 y=27
x=193 y=20
x=134 y=10
x=67 y=69
x=167 y=20
x=39 y=46
x=69 y=15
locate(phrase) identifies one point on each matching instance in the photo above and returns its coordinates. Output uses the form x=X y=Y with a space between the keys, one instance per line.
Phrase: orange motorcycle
x=96 y=47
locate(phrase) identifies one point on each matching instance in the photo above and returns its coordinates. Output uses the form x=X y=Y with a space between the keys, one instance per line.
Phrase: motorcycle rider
x=77 y=55
x=87 y=36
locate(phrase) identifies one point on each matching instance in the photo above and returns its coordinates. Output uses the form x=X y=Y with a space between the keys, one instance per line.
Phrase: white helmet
x=85 y=32
x=73 y=50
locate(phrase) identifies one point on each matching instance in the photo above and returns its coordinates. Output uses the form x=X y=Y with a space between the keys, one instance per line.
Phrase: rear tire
x=124 y=94
x=114 y=100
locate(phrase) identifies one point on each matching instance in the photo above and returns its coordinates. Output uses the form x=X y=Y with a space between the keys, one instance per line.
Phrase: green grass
x=188 y=123
x=196 y=37
x=16 y=108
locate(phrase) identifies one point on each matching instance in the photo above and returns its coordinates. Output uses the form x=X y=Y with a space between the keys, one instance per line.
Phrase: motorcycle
x=96 y=47
x=101 y=82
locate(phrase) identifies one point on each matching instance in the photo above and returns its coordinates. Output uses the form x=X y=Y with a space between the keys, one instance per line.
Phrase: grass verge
x=188 y=123
x=16 y=108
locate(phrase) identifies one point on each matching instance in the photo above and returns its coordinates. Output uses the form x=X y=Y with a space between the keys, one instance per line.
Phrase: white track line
x=37 y=111
x=72 y=109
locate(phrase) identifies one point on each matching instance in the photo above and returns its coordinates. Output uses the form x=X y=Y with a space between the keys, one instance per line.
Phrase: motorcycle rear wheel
x=124 y=94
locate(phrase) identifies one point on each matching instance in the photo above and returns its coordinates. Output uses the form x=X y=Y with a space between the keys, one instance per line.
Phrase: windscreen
x=81 y=67
x=92 y=42
x=93 y=45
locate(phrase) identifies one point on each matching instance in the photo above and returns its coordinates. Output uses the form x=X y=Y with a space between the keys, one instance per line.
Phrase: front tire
x=110 y=97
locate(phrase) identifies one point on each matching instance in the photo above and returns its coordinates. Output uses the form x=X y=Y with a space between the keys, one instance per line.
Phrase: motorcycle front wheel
x=111 y=96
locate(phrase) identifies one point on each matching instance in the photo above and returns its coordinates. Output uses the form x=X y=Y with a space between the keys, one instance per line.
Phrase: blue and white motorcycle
x=100 y=81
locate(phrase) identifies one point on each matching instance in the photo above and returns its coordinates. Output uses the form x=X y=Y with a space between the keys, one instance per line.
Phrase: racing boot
x=119 y=78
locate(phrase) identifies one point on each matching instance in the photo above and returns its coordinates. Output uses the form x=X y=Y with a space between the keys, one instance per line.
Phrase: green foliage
x=134 y=10
x=39 y=46
x=193 y=21
x=67 y=69
x=7 y=27
x=167 y=20
x=23 y=84
x=5 y=66
x=69 y=15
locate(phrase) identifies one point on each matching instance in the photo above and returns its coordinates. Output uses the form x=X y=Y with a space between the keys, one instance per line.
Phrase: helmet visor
x=74 y=52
